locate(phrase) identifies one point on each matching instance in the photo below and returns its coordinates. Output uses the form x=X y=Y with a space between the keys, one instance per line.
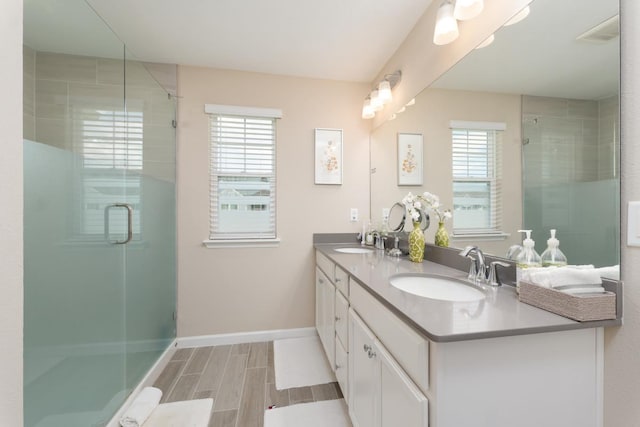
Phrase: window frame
x=493 y=178
x=216 y=238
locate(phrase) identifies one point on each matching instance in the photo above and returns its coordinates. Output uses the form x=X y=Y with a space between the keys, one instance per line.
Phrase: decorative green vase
x=416 y=243
x=442 y=236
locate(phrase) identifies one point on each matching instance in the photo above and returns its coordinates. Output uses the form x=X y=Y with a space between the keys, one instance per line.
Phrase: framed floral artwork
x=410 y=159
x=328 y=156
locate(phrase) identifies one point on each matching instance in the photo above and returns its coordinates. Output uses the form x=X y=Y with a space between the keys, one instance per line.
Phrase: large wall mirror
x=531 y=123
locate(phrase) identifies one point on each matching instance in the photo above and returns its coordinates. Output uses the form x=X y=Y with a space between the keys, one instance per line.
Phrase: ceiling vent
x=602 y=33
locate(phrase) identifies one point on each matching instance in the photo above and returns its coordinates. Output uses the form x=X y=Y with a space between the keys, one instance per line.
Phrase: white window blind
x=477 y=187
x=242 y=176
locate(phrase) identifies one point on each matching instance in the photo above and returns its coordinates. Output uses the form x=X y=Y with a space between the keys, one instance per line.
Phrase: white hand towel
x=562 y=276
x=611 y=272
x=142 y=406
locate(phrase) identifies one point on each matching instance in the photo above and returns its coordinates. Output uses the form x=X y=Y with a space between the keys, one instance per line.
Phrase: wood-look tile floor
x=241 y=380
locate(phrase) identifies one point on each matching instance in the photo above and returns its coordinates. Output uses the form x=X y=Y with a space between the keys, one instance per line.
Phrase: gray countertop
x=499 y=314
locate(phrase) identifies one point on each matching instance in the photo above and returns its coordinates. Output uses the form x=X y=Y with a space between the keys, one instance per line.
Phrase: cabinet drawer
x=342 y=368
x=342 y=281
x=327 y=266
x=409 y=348
x=342 y=324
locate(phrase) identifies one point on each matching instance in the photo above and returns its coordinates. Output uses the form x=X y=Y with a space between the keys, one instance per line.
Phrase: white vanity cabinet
x=332 y=305
x=381 y=393
x=392 y=375
x=325 y=314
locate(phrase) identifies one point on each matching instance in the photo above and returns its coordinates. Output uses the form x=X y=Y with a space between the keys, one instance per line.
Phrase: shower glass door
x=99 y=225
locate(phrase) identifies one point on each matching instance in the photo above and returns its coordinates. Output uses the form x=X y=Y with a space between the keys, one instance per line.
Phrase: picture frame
x=410 y=159
x=328 y=156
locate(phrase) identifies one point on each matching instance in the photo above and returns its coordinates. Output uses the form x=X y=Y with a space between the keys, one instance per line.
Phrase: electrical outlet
x=385 y=214
x=354 y=215
x=633 y=224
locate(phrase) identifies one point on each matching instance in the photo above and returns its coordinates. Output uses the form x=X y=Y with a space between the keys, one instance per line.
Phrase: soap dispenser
x=527 y=258
x=553 y=256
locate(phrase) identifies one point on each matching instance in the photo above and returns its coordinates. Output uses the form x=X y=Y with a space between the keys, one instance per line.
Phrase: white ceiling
x=541 y=56
x=330 y=39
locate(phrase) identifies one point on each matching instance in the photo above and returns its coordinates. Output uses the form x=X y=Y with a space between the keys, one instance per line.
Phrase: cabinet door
x=363 y=374
x=325 y=314
x=342 y=310
x=319 y=300
x=401 y=401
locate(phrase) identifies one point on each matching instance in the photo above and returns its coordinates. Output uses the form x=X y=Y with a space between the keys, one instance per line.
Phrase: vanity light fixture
x=384 y=91
x=367 y=109
x=381 y=95
x=518 y=16
x=402 y=110
x=467 y=9
x=487 y=42
x=376 y=102
x=410 y=103
x=446 y=29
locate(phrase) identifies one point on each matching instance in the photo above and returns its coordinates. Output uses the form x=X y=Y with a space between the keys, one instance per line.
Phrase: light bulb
x=487 y=42
x=384 y=91
x=467 y=9
x=376 y=102
x=367 y=110
x=446 y=29
x=518 y=16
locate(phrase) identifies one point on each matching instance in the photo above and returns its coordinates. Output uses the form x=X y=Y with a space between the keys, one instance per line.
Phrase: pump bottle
x=553 y=256
x=527 y=258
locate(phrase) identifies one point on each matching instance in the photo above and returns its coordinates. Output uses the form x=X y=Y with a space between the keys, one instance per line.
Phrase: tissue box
x=582 y=308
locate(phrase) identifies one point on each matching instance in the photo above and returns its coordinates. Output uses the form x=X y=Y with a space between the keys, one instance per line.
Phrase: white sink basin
x=436 y=287
x=354 y=250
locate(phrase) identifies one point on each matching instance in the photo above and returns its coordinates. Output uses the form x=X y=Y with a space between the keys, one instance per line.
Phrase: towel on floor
x=142 y=406
x=186 y=413
x=554 y=277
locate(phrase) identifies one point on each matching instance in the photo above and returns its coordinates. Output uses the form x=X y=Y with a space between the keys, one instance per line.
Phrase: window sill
x=481 y=236
x=242 y=243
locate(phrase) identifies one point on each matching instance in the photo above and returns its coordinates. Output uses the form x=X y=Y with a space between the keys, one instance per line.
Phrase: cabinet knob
x=338 y=280
x=367 y=348
x=338 y=366
x=337 y=318
x=321 y=281
x=371 y=354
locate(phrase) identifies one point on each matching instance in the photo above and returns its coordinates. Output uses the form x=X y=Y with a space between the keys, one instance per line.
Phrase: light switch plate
x=633 y=224
x=354 y=215
x=385 y=214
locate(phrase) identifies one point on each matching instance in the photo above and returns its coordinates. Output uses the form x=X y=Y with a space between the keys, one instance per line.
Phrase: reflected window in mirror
x=477 y=172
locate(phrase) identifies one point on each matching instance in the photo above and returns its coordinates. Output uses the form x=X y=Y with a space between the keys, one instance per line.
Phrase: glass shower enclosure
x=99 y=225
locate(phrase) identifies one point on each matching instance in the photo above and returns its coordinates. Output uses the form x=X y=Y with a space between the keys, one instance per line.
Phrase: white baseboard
x=244 y=337
x=147 y=381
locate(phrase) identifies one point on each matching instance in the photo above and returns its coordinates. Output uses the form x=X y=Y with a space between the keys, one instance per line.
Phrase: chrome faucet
x=379 y=239
x=478 y=269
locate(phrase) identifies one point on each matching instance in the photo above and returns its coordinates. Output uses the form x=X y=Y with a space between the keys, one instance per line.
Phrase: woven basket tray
x=581 y=308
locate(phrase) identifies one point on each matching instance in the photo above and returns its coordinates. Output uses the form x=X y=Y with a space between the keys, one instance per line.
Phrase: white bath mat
x=187 y=413
x=328 y=413
x=300 y=362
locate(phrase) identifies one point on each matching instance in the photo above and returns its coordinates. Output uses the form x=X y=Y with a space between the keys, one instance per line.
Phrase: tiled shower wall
x=570 y=175
x=58 y=88
x=569 y=140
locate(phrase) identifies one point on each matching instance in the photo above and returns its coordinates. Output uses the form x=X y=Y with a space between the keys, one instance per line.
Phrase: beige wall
x=622 y=345
x=430 y=116
x=235 y=290
x=11 y=215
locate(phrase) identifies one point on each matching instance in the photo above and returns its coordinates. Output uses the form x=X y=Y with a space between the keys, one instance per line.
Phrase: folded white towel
x=142 y=406
x=587 y=290
x=561 y=276
x=611 y=272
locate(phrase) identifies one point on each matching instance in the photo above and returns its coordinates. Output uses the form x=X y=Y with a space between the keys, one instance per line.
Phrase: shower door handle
x=107 y=234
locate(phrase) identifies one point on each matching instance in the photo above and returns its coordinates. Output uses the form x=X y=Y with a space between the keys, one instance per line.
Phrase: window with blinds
x=476 y=165
x=110 y=144
x=242 y=176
